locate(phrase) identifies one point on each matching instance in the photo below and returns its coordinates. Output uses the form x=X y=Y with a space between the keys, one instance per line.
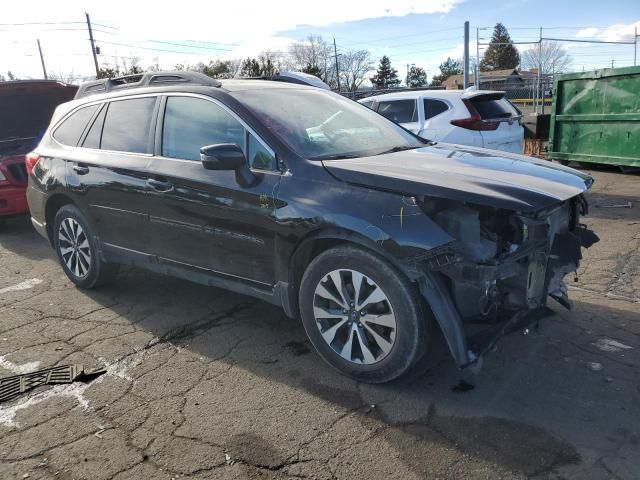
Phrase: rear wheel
x=77 y=252
x=361 y=315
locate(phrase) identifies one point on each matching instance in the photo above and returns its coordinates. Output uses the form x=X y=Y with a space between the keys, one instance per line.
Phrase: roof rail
x=148 y=79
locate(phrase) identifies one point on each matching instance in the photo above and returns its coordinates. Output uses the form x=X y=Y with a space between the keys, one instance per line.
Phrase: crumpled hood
x=475 y=175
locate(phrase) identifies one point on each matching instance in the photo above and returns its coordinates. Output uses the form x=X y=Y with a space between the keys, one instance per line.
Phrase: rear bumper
x=13 y=201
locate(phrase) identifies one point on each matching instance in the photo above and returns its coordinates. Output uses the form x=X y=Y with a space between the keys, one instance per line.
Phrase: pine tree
x=501 y=53
x=447 y=68
x=386 y=76
x=312 y=70
x=417 y=77
x=251 y=68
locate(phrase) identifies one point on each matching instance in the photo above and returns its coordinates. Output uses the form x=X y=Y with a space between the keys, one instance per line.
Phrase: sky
x=422 y=33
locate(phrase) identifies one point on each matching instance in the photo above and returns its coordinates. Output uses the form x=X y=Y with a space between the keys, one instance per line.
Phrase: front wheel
x=361 y=315
x=77 y=252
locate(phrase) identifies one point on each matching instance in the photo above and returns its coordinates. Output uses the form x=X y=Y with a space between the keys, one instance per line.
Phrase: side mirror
x=222 y=156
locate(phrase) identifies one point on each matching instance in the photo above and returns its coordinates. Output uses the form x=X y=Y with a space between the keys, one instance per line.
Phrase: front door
x=212 y=220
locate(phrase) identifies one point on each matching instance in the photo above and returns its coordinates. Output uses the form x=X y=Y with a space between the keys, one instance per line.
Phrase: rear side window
x=491 y=106
x=92 y=139
x=126 y=125
x=399 y=111
x=368 y=104
x=192 y=123
x=70 y=130
x=434 y=107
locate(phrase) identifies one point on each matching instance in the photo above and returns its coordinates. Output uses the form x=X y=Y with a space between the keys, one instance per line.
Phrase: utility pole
x=539 y=71
x=93 y=45
x=612 y=63
x=335 y=53
x=409 y=65
x=466 y=56
x=477 y=76
x=44 y=69
x=635 y=45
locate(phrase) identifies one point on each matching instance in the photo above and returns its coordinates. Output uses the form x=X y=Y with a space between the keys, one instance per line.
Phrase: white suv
x=478 y=118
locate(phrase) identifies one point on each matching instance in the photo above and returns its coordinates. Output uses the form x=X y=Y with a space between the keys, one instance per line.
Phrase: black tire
x=411 y=332
x=93 y=273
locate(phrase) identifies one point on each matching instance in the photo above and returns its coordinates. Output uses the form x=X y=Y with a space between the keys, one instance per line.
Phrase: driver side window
x=191 y=123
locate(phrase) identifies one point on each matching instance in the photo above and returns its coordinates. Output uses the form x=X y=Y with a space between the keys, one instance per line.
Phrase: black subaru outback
x=305 y=199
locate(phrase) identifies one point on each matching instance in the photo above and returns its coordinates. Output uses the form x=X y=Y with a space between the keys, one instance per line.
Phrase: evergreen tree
x=386 y=76
x=417 y=77
x=312 y=70
x=447 y=68
x=251 y=68
x=501 y=53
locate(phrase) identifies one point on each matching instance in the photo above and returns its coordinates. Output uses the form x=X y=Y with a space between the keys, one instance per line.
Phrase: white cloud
x=247 y=27
x=619 y=32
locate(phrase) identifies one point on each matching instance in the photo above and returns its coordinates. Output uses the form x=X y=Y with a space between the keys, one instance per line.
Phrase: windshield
x=319 y=125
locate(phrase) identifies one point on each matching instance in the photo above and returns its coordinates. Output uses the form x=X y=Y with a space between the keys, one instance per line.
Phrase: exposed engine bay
x=503 y=261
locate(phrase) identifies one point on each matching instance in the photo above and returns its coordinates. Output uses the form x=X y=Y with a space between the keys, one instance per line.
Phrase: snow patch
x=18 y=369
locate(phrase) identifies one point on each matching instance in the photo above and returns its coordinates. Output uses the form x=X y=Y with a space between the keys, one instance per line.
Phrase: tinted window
x=259 y=156
x=92 y=139
x=368 y=103
x=126 y=126
x=68 y=133
x=191 y=123
x=490 y=106
x=399 y=111
x=434 y=107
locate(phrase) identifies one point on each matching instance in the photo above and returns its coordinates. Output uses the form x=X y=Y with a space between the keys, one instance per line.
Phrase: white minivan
x=480 y=118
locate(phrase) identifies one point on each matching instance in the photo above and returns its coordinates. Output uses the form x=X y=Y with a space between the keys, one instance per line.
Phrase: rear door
x=212 y=220
x=401 y=111
x=436 y=121
x=107 y=174
x=495 y=110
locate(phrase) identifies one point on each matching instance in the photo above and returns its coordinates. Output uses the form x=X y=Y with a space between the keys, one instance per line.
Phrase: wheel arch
x=318 y=241
x=53 y=205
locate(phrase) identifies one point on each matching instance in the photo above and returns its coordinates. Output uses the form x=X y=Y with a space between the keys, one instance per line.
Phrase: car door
x=107 y=173
x=218 y=221
x=401 y=111
x=435 y=120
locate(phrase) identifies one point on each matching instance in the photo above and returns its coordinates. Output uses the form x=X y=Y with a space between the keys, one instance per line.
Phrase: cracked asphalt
x=203 y=383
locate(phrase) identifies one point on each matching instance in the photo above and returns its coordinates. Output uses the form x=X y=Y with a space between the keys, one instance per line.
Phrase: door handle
x=81 y=169
x=160 y=185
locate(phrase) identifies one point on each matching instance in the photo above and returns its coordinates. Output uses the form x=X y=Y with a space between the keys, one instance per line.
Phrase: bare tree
x=354 y=67
x=313 y=54
x=550 y=59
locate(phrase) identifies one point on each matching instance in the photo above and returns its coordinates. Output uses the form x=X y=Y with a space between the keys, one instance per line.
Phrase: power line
x=190 y=46
x=147 y=48
x=400 y=36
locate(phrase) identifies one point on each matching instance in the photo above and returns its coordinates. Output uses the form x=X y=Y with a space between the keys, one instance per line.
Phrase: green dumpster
x=595 y=117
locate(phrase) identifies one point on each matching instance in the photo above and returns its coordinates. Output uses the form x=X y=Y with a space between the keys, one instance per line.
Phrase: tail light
x=475 y=121
x=30 y=161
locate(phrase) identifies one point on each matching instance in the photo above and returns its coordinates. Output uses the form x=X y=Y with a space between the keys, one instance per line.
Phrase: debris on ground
x=11 y=387
x=595 y=366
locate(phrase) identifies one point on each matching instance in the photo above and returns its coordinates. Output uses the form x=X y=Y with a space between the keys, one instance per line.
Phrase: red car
x=26 y=107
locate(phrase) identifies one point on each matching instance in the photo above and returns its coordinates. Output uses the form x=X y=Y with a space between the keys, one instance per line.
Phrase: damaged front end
x=501 y=268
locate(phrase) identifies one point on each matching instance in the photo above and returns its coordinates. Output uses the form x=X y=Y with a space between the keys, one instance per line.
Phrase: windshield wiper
x=336 y=156
x=398 y=148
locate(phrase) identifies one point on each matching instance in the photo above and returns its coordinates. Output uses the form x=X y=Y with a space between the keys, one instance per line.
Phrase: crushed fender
x=11 y=387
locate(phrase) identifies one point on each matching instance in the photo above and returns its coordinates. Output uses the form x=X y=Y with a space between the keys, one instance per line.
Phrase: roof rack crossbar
x=144 y=80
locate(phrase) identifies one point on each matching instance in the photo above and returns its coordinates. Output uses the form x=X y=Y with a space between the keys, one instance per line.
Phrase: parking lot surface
x=203 y=383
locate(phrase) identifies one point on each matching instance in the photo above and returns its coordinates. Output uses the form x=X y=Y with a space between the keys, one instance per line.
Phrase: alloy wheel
x=354 y=316
x=74 y=247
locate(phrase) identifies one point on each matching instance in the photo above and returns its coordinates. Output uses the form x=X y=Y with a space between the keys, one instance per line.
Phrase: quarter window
x=126 y=125
x=399 y=111
x=192 y=123
x=69 y=132
x=434 y=107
